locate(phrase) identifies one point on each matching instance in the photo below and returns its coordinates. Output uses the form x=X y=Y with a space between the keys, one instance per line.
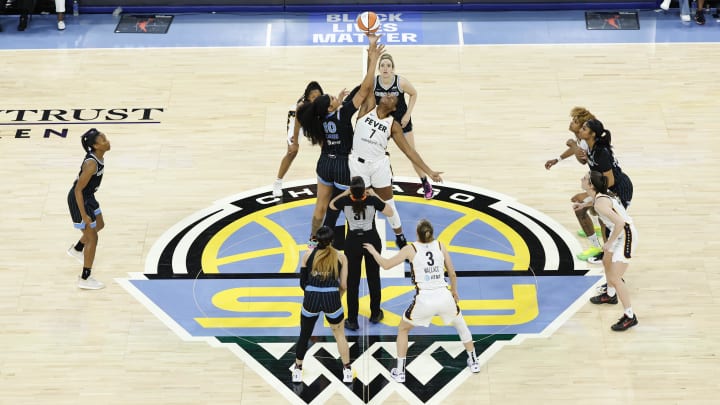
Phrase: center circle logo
x=228 y=274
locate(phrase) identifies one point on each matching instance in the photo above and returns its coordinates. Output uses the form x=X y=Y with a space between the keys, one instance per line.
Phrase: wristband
x=559 y=158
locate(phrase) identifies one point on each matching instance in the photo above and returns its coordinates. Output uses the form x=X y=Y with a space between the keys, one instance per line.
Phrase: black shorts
x=315 y=302
x=333 y=170
x=92 y=209
x=407 y=128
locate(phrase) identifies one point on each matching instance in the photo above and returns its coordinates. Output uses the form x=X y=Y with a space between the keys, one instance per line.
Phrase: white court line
x=268 y=34
x=461 y=38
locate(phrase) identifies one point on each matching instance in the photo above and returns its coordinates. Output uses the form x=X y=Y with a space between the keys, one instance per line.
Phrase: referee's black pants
x=355 y=253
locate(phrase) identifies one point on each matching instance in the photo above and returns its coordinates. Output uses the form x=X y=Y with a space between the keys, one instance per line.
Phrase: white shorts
x=291 y=129
x=624 y=247
x=375 y=173
x=428 y=303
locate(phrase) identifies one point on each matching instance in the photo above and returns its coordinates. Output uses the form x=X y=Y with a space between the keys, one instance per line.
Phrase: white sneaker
x=685 y=17
x=277 y=188
x=474 y=365
x=665 y=5
x=347 y=375
x=61 y=25
x=397 y=375
x=78 y=255
x=296 y=374
x=90 y=284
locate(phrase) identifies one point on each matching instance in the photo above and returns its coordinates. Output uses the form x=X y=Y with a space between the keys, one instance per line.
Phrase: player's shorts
x=320 y=299
x=92 y=208
x=428 y=303
x=375 y=173
x=291 y=129
x=407 y=128
x=623 y=248
x=397 y=115
x=332 y=170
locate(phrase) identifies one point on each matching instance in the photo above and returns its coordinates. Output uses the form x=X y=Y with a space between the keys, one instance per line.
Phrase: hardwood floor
x=488 y=116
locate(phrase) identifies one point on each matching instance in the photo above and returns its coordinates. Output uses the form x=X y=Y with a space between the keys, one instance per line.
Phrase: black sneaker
x=604 y=299
x=596 y=259
x=625 y=323
x=22 y=25
x=377 y=318
x=700 y=17
x=400 y=241
x=351 y=325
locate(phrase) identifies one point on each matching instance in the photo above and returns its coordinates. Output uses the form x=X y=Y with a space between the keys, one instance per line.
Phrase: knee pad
x=395 y=219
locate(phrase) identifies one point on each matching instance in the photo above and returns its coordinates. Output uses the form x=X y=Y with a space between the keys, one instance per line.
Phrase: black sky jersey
x=602 y=159
x=313 y=279
x=338 y=130
x=96 y=178
x=393 y=90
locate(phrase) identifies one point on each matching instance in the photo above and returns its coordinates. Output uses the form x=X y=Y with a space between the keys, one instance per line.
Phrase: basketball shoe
x=474 y=365
x=582 y=233
x=296 y=374
x=589 y=252
x=604 y=298
x=90 y=284
x=597 y=259
x=625 y=323
x=77 y=254
x=277 y=188
x=347 y=375
x=397 y=375
x=427 y=188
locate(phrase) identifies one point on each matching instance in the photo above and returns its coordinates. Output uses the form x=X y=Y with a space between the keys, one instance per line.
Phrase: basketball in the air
x=368 y=22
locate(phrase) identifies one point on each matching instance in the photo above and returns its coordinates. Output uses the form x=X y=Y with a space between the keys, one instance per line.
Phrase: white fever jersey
x=582 y=144
x=371 y=136
x=617 y=207
x=428 y=266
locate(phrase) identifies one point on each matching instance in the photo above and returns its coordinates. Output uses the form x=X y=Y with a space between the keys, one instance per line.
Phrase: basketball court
x=200 y=260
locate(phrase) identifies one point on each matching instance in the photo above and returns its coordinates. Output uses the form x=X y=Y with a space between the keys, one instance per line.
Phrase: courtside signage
x=60 y=122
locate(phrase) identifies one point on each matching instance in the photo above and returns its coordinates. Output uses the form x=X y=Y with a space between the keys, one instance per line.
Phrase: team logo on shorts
x=229 y=275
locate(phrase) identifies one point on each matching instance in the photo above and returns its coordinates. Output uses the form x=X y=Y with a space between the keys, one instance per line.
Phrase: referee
x=359 y=206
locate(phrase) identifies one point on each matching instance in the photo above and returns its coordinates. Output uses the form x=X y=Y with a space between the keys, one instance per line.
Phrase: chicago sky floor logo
x=228 y=275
